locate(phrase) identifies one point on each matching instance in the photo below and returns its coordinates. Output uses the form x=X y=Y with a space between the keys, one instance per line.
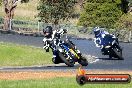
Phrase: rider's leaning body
x=100 y=37
x=50 y=37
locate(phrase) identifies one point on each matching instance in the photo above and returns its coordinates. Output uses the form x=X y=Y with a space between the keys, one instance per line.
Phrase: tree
x=0 y=2
x=102 y=13
x=130 y=7
x=9 y=8
x=52 y=11
x=125 y=22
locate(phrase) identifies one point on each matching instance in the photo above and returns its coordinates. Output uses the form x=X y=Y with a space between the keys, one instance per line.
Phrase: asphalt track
x=86 y=47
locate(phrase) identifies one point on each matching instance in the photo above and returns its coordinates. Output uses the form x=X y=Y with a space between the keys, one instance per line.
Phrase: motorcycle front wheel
x=118 y=53
x=83 y=61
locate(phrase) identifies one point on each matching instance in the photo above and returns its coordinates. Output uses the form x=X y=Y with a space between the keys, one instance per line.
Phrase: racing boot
x=54 y=58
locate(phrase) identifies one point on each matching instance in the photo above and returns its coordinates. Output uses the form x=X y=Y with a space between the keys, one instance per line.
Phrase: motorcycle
x=111 y=47
x=66 y=52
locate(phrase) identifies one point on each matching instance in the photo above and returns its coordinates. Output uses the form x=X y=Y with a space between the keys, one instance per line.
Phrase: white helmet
x=97 y=31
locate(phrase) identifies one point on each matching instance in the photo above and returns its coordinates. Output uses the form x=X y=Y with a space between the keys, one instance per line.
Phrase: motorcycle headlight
x=107 y=46
x=113 y=42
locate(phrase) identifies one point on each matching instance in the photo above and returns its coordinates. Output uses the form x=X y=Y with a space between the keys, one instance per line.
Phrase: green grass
x=56 y=83
x=18 y=55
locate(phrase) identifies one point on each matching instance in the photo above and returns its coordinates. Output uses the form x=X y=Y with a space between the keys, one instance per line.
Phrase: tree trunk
x=9 y=11
x=7 y=22
x=9 y=16
x=56 y=24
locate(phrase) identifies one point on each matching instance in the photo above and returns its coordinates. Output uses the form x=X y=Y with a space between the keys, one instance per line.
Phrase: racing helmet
x=48 y=31
x=97 y=31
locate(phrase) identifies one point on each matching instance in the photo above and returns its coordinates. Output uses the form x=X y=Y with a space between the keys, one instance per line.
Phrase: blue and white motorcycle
x=110 y=46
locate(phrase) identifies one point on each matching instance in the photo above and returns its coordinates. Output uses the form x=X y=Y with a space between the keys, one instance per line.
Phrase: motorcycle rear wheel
x=63 y=58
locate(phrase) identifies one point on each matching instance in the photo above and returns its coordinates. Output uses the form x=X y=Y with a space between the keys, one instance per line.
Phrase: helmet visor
x=46 y=33
x=97 y=33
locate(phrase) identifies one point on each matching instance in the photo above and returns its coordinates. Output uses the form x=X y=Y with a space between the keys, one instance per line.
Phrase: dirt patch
x=33 y=75
x=52 y=74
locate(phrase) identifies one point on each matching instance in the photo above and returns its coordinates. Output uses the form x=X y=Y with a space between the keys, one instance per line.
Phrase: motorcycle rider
x=51 y=35
x=100 y=37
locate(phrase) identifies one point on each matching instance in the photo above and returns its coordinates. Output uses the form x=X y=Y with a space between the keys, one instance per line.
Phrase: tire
x=83 y=61
x=118 y=54
x=66 y=61
x=110 y=56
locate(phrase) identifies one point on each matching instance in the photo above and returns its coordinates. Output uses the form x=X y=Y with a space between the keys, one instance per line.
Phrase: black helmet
x=48 y=31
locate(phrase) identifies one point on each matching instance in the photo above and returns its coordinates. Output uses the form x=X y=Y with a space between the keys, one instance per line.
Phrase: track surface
x=85 y=46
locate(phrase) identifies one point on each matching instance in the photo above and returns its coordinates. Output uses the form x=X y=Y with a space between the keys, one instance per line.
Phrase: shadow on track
x=108 y=59
x=41 y=68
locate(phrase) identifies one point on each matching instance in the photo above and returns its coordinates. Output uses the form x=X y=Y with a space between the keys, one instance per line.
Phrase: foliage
x=24 y=1
x=125 y=22
x=0 y=2
x=130 y=1
x=52 y=11
x=9 y=8
x=102 y=13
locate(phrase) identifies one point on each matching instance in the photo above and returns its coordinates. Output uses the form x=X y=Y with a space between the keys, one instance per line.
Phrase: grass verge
x=59 y=82
x=20 y=55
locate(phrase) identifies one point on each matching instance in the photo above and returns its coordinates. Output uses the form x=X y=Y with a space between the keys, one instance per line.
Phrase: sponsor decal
x=83 y=78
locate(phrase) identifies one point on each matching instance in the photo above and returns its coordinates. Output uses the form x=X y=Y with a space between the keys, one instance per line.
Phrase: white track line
x=96 y=60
